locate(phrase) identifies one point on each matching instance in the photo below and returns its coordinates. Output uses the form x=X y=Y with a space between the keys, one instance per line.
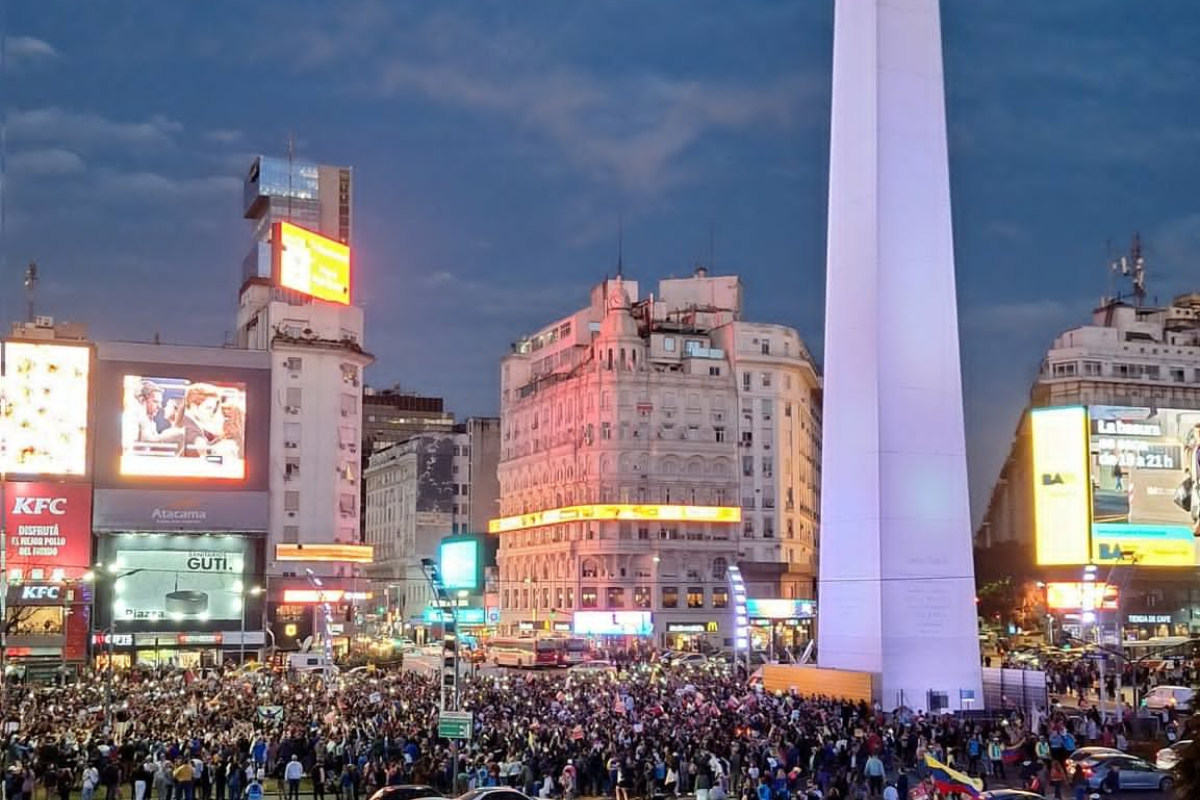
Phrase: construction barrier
x=816 y=681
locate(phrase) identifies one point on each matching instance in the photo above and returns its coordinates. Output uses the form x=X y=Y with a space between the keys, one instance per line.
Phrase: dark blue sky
x=496 y=143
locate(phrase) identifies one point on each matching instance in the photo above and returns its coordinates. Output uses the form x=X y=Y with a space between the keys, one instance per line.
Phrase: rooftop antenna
x=1137 y=264
x=620 y=246
x=712 y=246
x=31 y=282
x=291 y=151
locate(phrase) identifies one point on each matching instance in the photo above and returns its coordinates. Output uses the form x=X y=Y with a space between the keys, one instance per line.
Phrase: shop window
x=587 y=597
x=670 y=597
x=641 y=596
x=720 y=597
x=695 y=597
x=615 y=597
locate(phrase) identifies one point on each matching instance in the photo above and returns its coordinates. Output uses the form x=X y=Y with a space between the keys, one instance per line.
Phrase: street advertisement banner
x=49 y=529
x=1145 y=507
x=1060 y=485
x=44 y=391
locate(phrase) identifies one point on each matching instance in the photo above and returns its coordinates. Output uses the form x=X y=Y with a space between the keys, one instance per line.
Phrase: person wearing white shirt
x=292 y=773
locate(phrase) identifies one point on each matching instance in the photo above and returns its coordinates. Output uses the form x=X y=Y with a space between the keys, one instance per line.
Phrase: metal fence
x=1022 y=689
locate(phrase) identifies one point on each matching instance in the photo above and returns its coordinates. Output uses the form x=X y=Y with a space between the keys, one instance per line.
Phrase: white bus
x=528 y=652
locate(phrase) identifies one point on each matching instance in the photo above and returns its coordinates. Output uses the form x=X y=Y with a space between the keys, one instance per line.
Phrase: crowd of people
x=647 y=730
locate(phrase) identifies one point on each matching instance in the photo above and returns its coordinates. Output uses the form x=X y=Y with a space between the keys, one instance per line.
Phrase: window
x=720 y=597
x=570 y=597
x=291 y=434
x=291 y=534
x=745 y=381
x=589 y=569
x=615 y=597
x=464 y=490
x=643 y=533
x=768 y=466
x=748 y=528
x=714 y=371
x=747 y=438
x=291 y=466
x=787 y=409
x=349 y=405
x=641 y=596
x=747 y=466
x=347 y=503
x=294 y=363
x=293 y=397
x=695 y=597
x=605 y=430
x=669 y=344
x=719 y=567
x=291 y=501
x=587 y=597
x=670 y=597
x=768 y=409
x=719 y=433
x=766 y=347
x=766 y=380
x=768 y=528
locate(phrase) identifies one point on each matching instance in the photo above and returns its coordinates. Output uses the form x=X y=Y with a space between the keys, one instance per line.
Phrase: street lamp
x=112 y=629
x=253 y=591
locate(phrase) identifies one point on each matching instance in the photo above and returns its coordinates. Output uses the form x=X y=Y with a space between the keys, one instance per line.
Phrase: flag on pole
x=948 y=780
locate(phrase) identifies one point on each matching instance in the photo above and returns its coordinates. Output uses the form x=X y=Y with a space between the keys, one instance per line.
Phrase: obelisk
x=897 y=586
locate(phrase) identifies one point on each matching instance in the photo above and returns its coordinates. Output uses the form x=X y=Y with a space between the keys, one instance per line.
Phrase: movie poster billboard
x=1143 y=465
x=177 y=427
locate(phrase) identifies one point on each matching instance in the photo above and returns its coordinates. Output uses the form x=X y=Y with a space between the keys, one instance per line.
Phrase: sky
x=496 y=144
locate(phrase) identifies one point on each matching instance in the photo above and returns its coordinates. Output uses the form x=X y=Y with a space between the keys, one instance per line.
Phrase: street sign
x=455 y=724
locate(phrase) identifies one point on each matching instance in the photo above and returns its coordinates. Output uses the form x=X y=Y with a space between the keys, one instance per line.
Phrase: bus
x=526 y=652
x=572 y=650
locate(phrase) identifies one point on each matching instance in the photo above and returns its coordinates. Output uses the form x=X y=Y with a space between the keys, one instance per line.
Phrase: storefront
x=779 y=624
x=1140 y=627
x=47 y=624
x=697 y=635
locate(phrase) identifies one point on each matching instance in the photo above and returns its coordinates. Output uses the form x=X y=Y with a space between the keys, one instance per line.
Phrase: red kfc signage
x=49 y=528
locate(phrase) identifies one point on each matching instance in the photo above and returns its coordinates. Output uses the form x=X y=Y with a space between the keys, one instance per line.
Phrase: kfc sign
x=49 y=528
x=39 y=594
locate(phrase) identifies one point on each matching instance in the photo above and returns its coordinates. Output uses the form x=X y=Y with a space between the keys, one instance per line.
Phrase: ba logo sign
x=1057 y=478
x=1109 y=552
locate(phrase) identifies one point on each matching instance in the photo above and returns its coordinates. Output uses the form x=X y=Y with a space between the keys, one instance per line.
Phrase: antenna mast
x=31 y=282
x=291 y=151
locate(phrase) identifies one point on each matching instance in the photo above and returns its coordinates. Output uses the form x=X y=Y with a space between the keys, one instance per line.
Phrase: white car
x=689 y=660
x=432 y=649
x=596 y=665
x=1168 y=757
x=1178 y=698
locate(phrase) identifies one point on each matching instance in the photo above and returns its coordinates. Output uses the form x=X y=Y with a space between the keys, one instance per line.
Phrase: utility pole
x=448 y=704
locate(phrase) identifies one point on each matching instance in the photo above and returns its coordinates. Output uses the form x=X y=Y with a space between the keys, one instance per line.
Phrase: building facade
x=1131 y=362
x=621 y=485
x=420 y=491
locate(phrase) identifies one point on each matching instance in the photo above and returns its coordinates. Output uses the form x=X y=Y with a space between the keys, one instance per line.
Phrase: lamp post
x=253 y=591
x=112 y=631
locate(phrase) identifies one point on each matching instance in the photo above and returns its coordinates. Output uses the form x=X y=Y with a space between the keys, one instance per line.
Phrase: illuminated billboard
x=176 y=427
x=346 y=553
x=1145 y=503
x=1060 y=485
x=613 y=623
x=459 y=563
x=1078 y=595
x=49 y=530
x=310 y=263
x=621 y=512
x=779 y=608
x=44 y=390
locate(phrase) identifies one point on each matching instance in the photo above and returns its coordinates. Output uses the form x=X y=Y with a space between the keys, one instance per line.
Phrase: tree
x=18 y=616
x=1187 y=769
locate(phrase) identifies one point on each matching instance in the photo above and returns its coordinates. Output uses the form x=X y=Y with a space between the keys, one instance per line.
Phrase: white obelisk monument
x=897 y=585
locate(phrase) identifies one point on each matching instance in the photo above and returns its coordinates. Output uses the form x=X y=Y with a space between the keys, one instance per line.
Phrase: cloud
x=1021 y=317
x=23 y=49
x=154 y=186
x=86 y=130
x=47 y=161
x=224 y=136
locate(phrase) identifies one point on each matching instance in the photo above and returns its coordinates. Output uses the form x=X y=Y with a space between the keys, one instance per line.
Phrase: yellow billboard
x=310 y=263
x=620 y=512
x=1061 y=497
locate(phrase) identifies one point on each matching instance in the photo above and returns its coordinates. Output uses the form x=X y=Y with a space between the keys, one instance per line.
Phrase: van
x=310 y=662
x=1178 y=698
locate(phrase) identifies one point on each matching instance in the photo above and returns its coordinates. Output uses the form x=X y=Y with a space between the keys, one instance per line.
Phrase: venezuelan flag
x=1012 y=755
x=948 y=780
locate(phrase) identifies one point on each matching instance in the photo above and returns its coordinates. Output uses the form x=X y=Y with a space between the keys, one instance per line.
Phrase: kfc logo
x=36 y=506
x=36 y=592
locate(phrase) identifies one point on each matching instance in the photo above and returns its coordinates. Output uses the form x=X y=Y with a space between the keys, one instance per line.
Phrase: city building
x=418 y=492
x=391 y=416
x=316 y=197
x=1100 y=464
x=621 y=467
x=295 y=304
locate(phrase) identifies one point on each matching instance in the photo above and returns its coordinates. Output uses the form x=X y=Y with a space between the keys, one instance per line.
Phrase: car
x=689 y=660
x=1178 y=698
x=1010 y=794
x=406 y=791
x=1086 y=755
x=1168 y=757
x=1133 y=773
x=495 y=793
x=433 y=649
x=595 y=665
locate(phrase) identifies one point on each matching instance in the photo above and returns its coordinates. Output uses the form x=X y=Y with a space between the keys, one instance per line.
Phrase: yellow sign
x=623 y=513
x=1061 y=497
x=711 y=627
x=311 y=263
x=349 y=553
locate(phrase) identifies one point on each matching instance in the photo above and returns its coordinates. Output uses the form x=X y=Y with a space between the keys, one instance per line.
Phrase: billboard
x=1060 y=485
x=1144 y=497
x=613 y=623
x=178 y=580
x=207 y=511
x=1079 y=595
x=310 y=263
x=779 y=608
x=49 y=528
x=44 y=390
x=176 y=427
x=623 y=512
x=460 y=564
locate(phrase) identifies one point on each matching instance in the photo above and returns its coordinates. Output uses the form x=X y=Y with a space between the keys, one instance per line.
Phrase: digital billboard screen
x=1145 y=506
x=1060 y=485
x=178 y=581
x=613 y=623
x=44 y=390
x=182 y=428
x=459 y=563
x=310 y=263
x=1079 y=595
